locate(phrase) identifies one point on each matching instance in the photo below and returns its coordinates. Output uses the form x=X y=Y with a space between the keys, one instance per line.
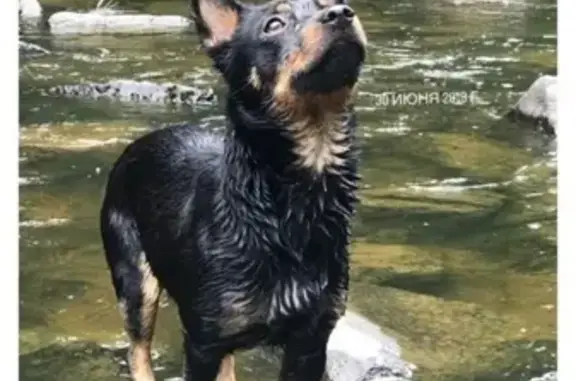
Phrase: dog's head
x=299 y=59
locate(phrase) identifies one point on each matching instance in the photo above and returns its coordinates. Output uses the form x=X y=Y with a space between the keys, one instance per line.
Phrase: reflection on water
x=455 y=243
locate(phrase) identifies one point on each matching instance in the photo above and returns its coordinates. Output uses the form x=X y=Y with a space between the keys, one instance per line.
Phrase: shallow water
x=455 y=243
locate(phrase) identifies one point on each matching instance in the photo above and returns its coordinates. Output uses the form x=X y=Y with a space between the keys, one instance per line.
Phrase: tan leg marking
x=140 y=362
x=227 y=372
x=150 y=298
x=139 y=356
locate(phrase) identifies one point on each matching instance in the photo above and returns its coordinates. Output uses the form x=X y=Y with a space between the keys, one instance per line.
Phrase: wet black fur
x=226 y=220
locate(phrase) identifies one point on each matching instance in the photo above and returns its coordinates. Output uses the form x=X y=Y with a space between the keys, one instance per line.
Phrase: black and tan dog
x=247 y=233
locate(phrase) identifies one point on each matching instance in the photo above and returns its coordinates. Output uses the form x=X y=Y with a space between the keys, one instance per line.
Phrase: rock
x=126 y=90
x=29 y=9
x=108 y=21
x=538 y=104
x=550 y=376
x=359 y=351
x=102 y=20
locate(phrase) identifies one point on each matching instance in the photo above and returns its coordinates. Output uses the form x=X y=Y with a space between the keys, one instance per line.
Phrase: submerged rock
x=538 y=104
x=359 y=351
x=138 y=92
x=106 y=20
x=29 y=48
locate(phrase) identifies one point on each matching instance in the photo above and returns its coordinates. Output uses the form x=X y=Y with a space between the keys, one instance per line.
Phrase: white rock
x=109 y=21
x=539 y=102
x=29 y=9
x=359 y=351
x=550 y=376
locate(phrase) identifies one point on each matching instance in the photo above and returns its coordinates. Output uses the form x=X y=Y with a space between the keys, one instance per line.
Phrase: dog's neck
x=260 y=180
x=302 y=150
x=255 y=137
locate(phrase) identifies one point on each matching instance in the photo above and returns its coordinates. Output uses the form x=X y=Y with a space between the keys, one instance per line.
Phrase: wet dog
x=248 y=233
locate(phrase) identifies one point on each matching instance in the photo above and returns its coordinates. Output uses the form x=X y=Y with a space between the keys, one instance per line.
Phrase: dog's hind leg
x=139 y=307
x=137 y=290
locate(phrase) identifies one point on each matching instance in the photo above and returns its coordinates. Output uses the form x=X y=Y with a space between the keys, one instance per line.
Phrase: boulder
x=358 y=350
x=29 y=9
x=112 y=21
x=538 y=104
x=126 y=90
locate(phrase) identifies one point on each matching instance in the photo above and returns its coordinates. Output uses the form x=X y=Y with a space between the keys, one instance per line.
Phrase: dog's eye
x=274 y=25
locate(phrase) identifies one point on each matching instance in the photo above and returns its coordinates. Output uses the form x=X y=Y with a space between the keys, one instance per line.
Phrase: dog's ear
x=216 y=20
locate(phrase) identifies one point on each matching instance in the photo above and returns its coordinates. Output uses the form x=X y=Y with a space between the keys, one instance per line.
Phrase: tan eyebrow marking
x=325 y=3
x=283 y=8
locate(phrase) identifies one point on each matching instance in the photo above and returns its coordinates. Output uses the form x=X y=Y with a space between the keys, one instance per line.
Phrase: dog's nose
x=338 y=15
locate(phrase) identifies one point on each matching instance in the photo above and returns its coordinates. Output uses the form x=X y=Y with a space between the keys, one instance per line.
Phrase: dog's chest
x=274 y=296
x=272 y=302
x=299 y=257
x=308 y=216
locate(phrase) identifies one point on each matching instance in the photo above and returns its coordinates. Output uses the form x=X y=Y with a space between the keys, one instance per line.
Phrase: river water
x=454 y=249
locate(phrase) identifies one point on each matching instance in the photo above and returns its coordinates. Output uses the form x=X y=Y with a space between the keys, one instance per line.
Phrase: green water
x=455 y=243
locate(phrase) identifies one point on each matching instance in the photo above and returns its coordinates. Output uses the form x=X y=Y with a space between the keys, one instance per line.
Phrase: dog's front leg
x=305 y=354
x=203 y=365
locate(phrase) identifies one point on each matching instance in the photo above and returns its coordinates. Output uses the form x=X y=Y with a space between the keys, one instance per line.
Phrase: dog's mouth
x=332 y=52
x=337 y=66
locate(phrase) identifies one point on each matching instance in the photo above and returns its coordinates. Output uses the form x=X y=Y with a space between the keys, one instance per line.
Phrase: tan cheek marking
x=312 y=37
x=297 y=61
x=221 y=21
x=227 y=372
x=283 y=94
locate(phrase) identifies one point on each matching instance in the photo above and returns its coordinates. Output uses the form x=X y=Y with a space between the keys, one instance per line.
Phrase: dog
x=248 y=233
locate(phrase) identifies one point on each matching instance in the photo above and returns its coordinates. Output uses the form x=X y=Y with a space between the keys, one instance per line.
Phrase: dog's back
x=153 y=178
x=159 y=193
